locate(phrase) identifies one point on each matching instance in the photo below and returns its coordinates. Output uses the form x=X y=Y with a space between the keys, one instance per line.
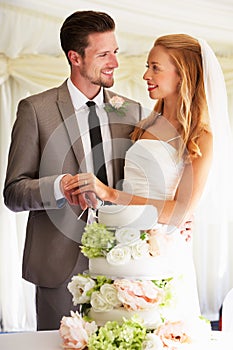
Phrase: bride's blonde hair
x=192 y=113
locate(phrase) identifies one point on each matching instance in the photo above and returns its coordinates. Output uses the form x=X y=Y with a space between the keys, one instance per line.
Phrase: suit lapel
x=113 y=132
x=70 y=122
x=120 y=129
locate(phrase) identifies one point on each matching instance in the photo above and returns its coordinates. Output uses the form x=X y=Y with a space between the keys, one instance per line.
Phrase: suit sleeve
x=24 y=189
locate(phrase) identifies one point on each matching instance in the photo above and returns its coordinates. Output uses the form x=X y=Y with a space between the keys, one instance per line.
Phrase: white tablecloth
x=46 y=340
x=50 y=340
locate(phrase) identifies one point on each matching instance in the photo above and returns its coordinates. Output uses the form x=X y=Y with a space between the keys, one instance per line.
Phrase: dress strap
x=173 y=138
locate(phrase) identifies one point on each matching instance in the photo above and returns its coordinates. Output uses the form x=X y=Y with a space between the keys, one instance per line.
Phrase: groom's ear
x=74 y=58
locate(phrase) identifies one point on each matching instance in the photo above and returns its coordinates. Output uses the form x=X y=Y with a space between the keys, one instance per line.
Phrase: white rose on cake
x=78 y=287
x=99 y=303
x=119 y=255
x=140 y=249
x=109 y=293
x=152 y=342
x=127 y=234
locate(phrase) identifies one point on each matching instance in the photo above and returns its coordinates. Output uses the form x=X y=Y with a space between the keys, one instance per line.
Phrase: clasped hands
x=82 y=189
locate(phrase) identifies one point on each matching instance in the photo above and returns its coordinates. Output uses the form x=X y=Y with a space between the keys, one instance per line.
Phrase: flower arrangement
x=104 y=294
x=120 y=245
x=116 y=104
x=130 y=334
x=117 y=246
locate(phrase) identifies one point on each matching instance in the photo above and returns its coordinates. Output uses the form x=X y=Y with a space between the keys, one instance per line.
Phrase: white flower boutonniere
x=116 y=104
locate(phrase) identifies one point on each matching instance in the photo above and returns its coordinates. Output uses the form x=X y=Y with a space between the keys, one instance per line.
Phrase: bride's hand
x=88 y=182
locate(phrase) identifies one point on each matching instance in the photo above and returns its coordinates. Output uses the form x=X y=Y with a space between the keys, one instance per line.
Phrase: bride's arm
x=173 y=212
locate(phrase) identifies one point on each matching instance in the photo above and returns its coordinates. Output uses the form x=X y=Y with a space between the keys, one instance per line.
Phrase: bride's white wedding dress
x=153 y=170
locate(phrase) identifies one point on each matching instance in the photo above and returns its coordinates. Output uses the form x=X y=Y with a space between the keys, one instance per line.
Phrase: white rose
x=140 y=249
x=127 y=234
x=99 y=303
x=152 y=342
x=109 y=293
x=119 y=255
x=78 y=287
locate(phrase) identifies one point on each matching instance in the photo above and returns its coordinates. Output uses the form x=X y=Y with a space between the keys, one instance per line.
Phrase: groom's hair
x=78 y=26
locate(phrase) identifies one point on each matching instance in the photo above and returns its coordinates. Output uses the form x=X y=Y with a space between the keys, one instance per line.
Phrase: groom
x=50 y=139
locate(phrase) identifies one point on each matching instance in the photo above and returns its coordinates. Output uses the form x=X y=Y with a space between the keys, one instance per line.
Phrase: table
x=44 y=340
x=50 y=340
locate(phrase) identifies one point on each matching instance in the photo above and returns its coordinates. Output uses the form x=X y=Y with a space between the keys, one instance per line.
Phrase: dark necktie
x=96 y=144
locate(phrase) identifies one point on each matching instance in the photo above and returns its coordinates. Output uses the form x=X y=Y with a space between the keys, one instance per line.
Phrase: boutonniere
x=116 y=104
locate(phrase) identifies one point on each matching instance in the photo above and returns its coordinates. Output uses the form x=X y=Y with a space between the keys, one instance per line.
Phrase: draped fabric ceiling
x=31 y=60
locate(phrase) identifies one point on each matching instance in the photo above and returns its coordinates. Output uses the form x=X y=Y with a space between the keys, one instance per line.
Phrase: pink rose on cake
x=75 y=332
x=173 y=334
x=138 y=295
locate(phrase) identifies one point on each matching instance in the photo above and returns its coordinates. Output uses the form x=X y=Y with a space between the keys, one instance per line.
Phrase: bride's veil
x=214 y=216
x=219 y=185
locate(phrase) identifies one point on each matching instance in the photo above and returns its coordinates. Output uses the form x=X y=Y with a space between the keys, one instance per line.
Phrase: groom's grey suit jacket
x=46 y=143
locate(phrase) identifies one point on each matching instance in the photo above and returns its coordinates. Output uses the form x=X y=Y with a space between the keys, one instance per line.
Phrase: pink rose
x=138 y=295
x=75 y=331
x=173 y=334
x=116 y=102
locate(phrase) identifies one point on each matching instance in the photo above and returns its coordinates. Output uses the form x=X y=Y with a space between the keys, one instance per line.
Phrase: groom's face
x=98 y=65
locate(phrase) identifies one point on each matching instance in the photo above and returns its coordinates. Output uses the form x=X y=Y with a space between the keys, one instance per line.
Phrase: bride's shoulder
x=206 y=136
x=205 y=142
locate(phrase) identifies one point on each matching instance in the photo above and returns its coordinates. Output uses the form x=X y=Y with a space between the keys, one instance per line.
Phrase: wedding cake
x=134 y=280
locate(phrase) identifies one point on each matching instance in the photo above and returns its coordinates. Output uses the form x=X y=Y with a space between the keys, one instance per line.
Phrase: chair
x=227 y=312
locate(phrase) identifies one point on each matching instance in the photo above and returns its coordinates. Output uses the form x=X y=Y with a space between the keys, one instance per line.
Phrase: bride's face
x=161 y=75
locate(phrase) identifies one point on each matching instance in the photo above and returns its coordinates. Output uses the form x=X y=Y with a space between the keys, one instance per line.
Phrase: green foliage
x=130 y=335
x=97 y=240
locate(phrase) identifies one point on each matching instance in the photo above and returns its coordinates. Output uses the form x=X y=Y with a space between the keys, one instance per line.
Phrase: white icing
x=151 y=317
x=147 y=268
x=142 y=217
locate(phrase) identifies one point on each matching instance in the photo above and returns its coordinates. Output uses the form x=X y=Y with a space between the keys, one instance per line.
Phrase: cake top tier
x=141 y=217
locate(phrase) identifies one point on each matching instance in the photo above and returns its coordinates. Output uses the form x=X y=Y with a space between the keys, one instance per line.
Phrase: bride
x=170 y=159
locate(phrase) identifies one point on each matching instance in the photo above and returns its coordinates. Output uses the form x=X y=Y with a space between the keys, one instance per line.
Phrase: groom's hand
x=85 y=200
x=72 y=199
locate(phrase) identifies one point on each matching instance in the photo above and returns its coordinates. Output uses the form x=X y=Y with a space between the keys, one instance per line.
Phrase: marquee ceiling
x=138 y=22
